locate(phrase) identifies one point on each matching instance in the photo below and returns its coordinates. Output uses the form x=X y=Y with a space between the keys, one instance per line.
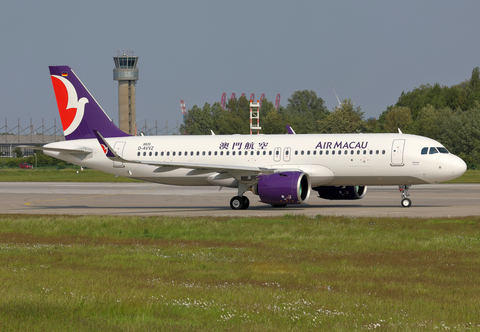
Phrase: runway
x=153 y=199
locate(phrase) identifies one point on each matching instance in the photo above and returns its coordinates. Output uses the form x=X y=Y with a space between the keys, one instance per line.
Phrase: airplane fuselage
x=329 y=159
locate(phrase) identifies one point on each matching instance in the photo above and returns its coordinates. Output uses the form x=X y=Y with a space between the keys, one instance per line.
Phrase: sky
x=368 y=51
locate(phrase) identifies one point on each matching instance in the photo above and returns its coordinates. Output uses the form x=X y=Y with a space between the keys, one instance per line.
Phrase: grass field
x=90 y=175
x=93 y=273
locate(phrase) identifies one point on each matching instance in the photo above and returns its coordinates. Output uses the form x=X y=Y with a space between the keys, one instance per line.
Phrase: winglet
x=290 y=130
x=107 y=149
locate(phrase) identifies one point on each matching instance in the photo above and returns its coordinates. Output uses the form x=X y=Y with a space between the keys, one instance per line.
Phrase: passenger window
x=351 y=152
x=264 y=153
x=221 y=153
x=144 y=154
x=239 y=153
x=161 y=153
x=333 y=152
x=302 y=153
x=364 y=151
x=215 y=153
x=358 y=151
x=296 y=152
x=168 y=153
x=326 y=152
x=339 y=152
x=209 y=153
x=258 y=153
x=345 y=152
x=277 y=153
x=173 y=153
x=424 y=150
x=179 y=153
x=383 y=151
x=308 y=152
x=251 y=153
x=198 y=153
x=433 y=150
x=228 y=153
x=286 y=153
x=371 y=151
x=321 y=152
x=203 y=153
x=233 y=153
x=138 y=153
x=191 y=153
x=377 y=152
x=150 y=153
x=270 y=152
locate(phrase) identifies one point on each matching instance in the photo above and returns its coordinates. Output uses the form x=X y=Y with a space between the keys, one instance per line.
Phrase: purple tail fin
x=79 y=111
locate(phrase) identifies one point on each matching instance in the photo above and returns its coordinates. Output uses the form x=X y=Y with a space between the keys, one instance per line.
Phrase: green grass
x=94 y=273
x=470 y=176
x=90 y=175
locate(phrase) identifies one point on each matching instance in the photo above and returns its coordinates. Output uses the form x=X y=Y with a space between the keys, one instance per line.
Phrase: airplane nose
x=458 y=166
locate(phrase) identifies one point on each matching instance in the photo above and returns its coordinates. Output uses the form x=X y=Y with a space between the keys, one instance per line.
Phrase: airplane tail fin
x=79 y=111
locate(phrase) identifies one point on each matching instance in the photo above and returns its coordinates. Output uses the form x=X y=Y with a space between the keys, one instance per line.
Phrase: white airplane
x=280 y=169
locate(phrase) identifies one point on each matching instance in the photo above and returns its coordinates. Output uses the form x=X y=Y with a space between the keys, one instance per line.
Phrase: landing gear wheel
x=279 y=205
x=236 y=203
x=246 y=202
x=404 y=192
x=406 y=202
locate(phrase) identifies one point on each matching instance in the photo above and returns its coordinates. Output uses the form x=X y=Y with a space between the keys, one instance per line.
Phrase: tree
x=305 y=110
x=18 y=152
x=397 y=118
x=473 y=90
x=344 y=119
x=198 y=121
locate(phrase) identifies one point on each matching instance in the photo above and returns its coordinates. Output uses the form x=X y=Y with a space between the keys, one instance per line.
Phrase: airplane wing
x=238 y=170
x=43 y=148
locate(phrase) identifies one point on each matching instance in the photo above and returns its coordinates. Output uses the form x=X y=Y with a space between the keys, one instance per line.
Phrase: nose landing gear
x=406 y=202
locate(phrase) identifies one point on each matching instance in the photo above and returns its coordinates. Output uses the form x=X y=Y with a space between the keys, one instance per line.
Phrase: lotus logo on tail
x=104 y=148
x=70 y=107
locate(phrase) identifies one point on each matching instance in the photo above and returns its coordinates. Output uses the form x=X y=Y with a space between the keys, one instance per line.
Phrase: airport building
x=126 y=73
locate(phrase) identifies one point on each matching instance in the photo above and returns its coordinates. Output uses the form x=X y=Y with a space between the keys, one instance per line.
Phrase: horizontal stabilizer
x=44 y=148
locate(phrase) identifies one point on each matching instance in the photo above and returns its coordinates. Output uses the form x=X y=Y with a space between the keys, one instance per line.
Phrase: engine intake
x=341 y=192
x=283 y=188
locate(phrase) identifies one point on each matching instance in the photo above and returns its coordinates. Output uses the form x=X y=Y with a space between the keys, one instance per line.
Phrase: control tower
x=126 y=73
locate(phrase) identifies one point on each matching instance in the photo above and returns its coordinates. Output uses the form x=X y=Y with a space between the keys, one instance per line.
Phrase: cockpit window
x=425 y=151
x=442 y=150
x=433 y=150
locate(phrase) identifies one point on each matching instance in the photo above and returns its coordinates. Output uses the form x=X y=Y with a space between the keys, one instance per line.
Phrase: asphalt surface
x=154 y=199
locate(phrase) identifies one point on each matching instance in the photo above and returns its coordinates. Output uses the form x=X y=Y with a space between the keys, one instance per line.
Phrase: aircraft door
x=286 y=154
x=118 y=148
x=397 y=152
x=277 y=154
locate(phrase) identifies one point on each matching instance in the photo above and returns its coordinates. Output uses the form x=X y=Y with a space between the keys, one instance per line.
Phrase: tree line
x=450 y=115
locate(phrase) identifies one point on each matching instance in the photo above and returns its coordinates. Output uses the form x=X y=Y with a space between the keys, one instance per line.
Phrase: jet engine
x=341 y=192
x=283 y=188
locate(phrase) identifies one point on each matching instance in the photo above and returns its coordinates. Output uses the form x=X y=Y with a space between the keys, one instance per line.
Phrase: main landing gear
x=239 y=203
x=406 y=202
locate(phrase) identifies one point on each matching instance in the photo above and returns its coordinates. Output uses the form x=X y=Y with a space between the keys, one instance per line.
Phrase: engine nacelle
x=283 y=188
x=341 y=192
